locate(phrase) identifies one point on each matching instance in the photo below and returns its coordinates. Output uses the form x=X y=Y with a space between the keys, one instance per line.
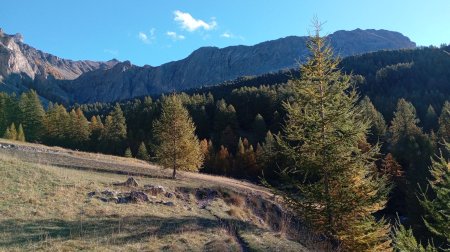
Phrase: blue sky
x=156 y=32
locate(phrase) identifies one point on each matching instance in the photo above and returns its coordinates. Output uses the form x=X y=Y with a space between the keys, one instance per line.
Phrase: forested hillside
x=404 y=95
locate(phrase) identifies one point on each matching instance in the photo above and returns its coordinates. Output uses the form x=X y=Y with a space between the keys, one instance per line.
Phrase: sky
x=156 y=32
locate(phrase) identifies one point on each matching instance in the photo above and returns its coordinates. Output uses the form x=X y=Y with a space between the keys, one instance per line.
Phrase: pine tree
x=20 y=134
x=378 y=127
x=336 y=188
x=178 y=147
x=437 y=208
x=32 y=116
x=127 y=153
x=207 y=150
x=444 y=123
x=115 y=131
x=142 y=152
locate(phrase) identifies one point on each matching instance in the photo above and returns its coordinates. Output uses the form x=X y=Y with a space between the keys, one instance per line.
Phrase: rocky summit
x=23 y=67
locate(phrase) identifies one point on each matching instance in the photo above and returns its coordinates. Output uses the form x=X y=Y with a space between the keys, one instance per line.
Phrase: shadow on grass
x=111 y=230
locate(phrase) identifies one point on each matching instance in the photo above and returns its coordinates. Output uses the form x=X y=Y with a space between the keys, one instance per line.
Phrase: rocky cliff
x=88 y=81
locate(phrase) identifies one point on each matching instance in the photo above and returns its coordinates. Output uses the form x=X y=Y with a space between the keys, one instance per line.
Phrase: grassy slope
x=46 y=207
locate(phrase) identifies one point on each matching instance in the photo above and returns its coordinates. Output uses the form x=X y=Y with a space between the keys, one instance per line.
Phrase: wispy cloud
x=147 y=38
x=227 y=35
x=175 y=36
x=191 y=24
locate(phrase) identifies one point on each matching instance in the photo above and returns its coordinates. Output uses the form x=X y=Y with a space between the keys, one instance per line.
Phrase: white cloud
x=191 y=24
x=147 y=38
x=175 y=36
x=226 y=35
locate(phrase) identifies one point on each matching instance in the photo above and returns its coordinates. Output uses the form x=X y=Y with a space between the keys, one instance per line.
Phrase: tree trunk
x=174 y=174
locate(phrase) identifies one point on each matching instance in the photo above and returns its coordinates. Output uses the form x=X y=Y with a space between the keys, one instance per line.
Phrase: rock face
x=87 y=81
x=22 y=66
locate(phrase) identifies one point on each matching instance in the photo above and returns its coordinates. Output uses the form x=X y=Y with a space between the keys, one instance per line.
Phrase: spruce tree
x=142 y=152
x=331 y=183
x=20 y=134
x=437 y=208
x=178 y=147
x=32 y=115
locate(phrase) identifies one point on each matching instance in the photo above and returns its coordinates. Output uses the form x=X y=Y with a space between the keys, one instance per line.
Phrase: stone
x=169 y=195
x=154 y=189
x=129 y=182
x=168 y=203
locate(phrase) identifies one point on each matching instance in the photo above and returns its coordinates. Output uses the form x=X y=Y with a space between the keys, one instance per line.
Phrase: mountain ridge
x=90 y=81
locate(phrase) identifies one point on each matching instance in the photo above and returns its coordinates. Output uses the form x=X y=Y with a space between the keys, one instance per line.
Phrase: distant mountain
x=86 y=81
x=22 y=66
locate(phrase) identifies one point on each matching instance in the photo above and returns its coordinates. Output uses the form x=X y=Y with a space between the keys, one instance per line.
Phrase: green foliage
x=259 y=128
x=11 y=132
x=127 y=153
x=142 y=152
x=404 y=241
x=331 y=183
x=431 y=120
x=378 y=127
x=444 y=123
x=114 y=132
x=437 y=208
x=178 y=147
x=20 y=134
x=32 y=116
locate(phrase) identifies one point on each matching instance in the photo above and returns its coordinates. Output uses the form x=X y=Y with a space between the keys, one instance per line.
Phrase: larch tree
x=20 y=134
x=178 y=147
x=331 y=183
x=378 y=127
x=115 y=131
x=128 y=153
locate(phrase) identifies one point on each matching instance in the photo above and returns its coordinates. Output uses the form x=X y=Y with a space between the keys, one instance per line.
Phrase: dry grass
x=45 y=207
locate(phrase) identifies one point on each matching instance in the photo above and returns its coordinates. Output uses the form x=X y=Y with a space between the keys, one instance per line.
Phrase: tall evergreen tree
x=331 y=182
x=378 y=127
x=115 y=131
x=437 y=208
x=178 y=147
x=412 y=149
x=404 y=241
x=32 y=115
